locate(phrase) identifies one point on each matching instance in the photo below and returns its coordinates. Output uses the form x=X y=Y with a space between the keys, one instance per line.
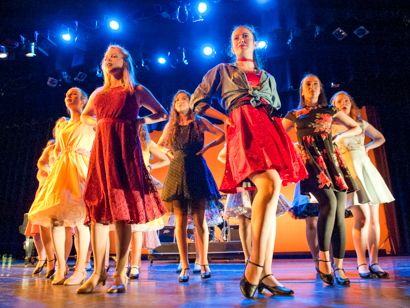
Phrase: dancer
x=189 y=187
x=34 y=230
x=329 y=178
x=146 y=234
x=259 y=153
x=373 y=190
x=118 y=189
x=60 y=203
x=239 y=206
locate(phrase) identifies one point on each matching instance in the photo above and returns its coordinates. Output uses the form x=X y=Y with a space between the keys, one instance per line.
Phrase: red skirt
x=257 y=143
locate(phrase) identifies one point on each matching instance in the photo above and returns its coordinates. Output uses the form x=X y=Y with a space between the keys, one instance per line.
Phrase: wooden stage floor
x=158 y=286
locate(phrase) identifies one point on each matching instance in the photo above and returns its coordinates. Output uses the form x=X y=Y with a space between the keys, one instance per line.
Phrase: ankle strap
x=203 y=264
x=339 y=269
x=265 y=277
x=137 y=267
x=374 y=264
x=363 y=264
x=249 y=261
x=321 y=260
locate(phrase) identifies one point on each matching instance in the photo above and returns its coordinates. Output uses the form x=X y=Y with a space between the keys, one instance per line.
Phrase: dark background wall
x=374 y=69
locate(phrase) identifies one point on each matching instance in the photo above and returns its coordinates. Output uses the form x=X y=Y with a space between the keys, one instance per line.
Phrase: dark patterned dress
x=118 y=185
x=321 y=156
x=189 y=178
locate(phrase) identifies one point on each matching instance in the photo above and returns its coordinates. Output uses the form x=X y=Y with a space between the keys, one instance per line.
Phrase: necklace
x=245 y=60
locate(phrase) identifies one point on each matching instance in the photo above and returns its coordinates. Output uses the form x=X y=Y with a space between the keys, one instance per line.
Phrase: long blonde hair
x=128 y=80
x=354 y=110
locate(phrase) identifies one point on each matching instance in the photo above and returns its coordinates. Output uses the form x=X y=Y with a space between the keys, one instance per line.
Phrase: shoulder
x=96 y=91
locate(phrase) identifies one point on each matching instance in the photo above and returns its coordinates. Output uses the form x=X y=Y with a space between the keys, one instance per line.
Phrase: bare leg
x=374 y=237
x=122 y=243
x=197 y=248
x=245 y=234
x=68 y=243
x=83 y=242
x=45 y=234
x=58 y=235
x=263 y=220
x=360 y=229
x=88 y=257
x=311 y=237
x=203 y=234
x=41 y=252
x=136 y=251
x=181 y=224
x=99 y=236
x=107 y=254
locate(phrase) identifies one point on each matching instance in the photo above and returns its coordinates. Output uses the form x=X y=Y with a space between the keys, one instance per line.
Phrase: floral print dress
x=321 y=156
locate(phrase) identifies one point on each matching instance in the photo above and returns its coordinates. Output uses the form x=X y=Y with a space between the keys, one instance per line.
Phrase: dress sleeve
x=290 y=116
x=364 y=125
x=210 y=86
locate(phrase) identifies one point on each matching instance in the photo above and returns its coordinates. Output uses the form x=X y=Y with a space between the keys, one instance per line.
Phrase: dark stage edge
x=158 y=286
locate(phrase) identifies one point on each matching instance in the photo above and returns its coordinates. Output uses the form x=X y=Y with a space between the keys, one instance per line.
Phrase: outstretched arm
x=163 y=159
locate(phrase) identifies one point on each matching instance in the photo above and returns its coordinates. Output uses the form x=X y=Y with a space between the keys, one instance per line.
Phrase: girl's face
x=311 y=88
x=342 y=101
x=181 y=104
x=113 y=61
x=73 y=99
x=243 y=43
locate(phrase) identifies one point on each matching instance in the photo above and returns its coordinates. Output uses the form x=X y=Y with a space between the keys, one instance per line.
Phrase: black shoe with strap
x=205 y=275
x=248 y=289
x=380 y=274
x=184 y=278
x=368 y=275
x=39 y=268
x=276 y=290
x=327 y=278
x=51 y=272
x=341 y=281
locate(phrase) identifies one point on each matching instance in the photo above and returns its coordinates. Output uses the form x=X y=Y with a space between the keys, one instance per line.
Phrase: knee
x=310 y=227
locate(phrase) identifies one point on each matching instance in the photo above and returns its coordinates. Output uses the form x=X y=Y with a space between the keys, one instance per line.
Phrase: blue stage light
x=208 y=51
x=66 y=37
x=162 y=60
x=202 y=7
x=114 y=25
x=262 y=44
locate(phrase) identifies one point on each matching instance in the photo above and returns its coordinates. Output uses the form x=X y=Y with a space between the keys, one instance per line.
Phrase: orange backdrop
x=290 y=232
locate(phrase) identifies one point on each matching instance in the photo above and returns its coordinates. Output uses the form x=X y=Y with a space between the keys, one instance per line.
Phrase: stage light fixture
x=262 y=44
x=339 y=33
x=182 y=13
x=3 y=52
x=66 y=36
x=162 y=60
x=361 y=31
x=114 y=25
x=202 y=7
x=31 y=52
x=208 y=51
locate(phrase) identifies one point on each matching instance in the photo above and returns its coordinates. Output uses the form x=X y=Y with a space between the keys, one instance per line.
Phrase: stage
x=158 y=286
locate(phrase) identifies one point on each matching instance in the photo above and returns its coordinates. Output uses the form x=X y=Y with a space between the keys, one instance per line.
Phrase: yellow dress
x=156 y=224
x=61 y=196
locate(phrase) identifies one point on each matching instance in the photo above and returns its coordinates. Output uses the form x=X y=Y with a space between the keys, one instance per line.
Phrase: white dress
x=373 y=189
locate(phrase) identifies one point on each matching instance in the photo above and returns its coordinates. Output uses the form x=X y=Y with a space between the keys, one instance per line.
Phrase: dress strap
x=113 y=120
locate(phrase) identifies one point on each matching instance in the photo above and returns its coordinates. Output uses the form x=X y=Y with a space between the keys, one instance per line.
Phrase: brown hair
x=256 y=59
x=128 y=80
x=322 y=100
x=174 y=118
x=354 y=110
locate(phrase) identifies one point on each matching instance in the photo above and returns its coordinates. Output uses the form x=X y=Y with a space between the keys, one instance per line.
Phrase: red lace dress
x=258 y=143
x=118 y=185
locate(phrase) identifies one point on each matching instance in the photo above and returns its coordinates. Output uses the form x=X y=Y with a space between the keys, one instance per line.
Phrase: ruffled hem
x=71 y=214
x=304 y=211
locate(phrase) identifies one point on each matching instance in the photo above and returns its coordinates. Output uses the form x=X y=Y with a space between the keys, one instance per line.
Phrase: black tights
x=331 y=223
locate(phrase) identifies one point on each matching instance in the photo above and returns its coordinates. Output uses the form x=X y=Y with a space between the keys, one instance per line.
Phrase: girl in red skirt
x=259 y=153
x=119 y=189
